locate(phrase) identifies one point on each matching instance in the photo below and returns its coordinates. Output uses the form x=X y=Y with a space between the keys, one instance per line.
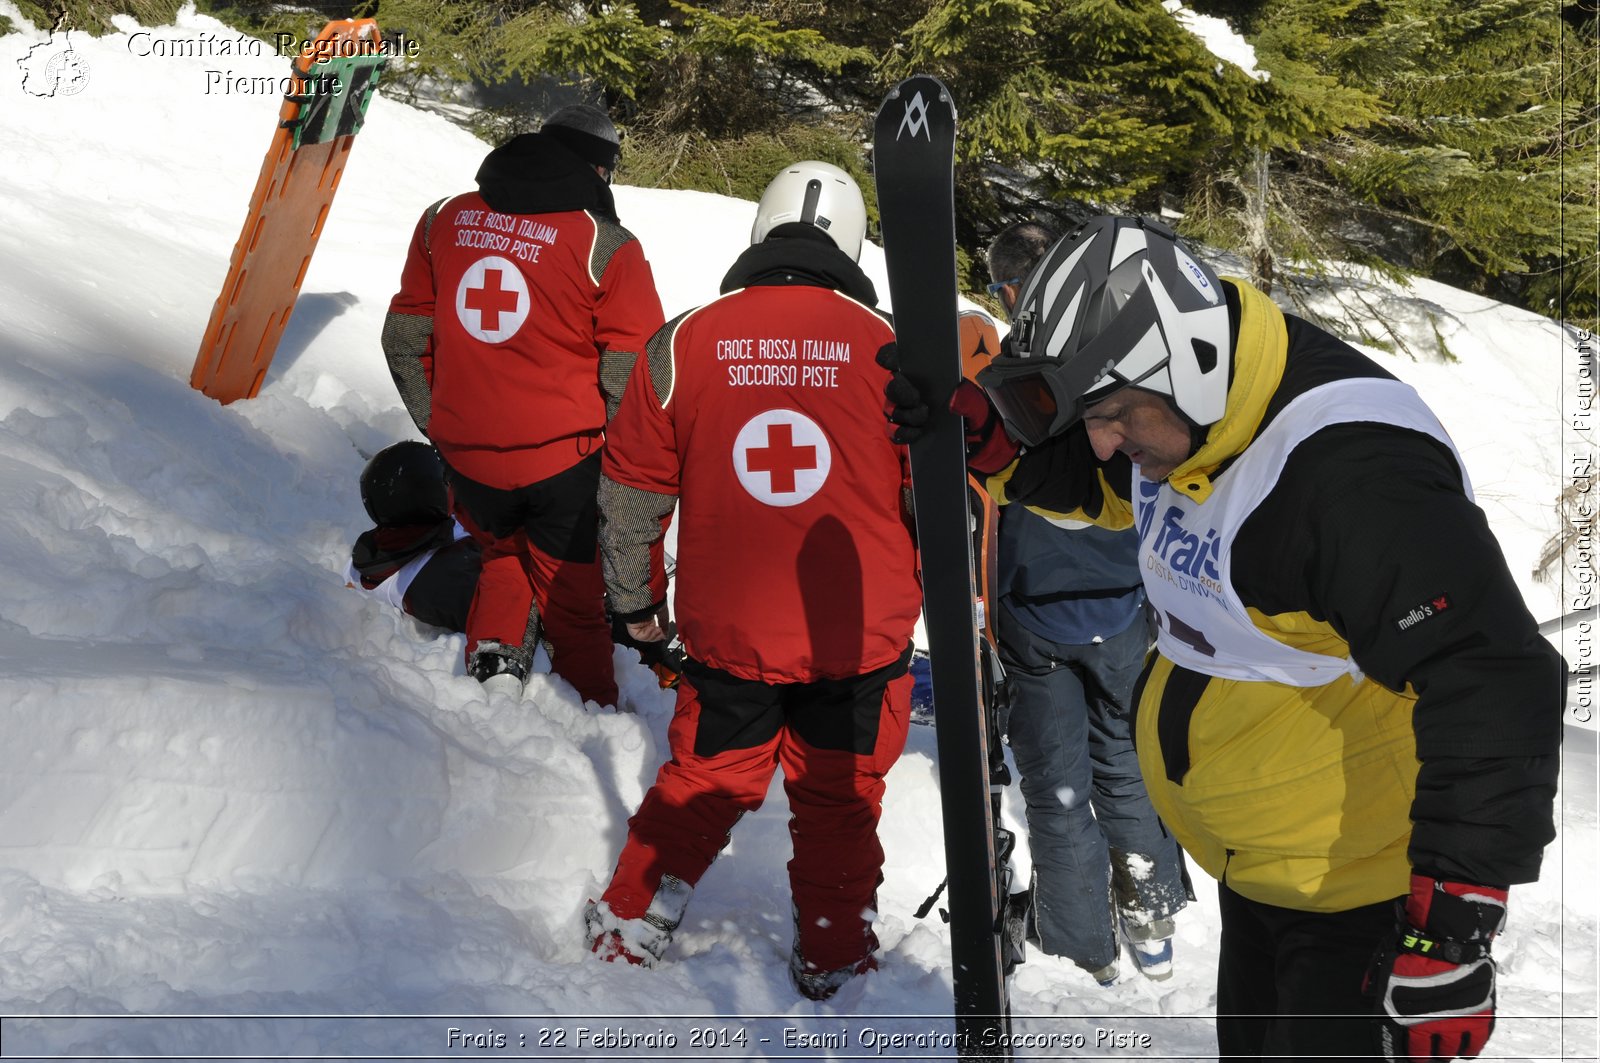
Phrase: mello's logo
x=1423 y=611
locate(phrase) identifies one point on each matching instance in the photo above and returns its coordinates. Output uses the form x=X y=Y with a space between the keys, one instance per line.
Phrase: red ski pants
x=835 y=739
x=540 y=548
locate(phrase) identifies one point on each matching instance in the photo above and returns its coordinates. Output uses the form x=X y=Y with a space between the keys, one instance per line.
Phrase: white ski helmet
x=817 y=193
x=1118 y=303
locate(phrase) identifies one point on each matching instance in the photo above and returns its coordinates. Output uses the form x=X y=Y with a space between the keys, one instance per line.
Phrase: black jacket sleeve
x=1063 y=476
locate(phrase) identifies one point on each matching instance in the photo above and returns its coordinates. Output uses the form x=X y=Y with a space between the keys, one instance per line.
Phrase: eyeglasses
x=994 y=289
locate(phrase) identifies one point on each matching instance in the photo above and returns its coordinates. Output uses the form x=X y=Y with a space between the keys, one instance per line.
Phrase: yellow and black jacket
x=1438 y=751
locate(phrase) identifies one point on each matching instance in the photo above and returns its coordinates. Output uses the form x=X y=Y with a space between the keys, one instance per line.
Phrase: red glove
x=989 y=449
x=1435 y=983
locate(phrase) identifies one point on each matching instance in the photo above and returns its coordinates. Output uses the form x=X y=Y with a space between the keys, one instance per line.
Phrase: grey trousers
x=1099 y=850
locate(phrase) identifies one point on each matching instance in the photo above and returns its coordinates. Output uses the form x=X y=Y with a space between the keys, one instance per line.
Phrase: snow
x=1218 y=37
x=233 y=788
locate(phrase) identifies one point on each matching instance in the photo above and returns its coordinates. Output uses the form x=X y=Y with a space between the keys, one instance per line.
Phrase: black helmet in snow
x=404 y=484
x=1118 y=303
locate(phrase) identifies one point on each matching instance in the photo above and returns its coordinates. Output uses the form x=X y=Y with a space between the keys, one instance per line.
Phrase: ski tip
x=920 y=83
x=917 y=96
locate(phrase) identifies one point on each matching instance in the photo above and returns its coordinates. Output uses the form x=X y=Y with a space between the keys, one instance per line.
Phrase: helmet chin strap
x=1197 y=432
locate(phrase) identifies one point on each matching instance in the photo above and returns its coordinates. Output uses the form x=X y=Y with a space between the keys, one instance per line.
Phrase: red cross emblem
x=782 y=457
x=492 y=299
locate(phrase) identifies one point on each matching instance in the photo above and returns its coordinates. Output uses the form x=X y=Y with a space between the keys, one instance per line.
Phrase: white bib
x=1186 y=548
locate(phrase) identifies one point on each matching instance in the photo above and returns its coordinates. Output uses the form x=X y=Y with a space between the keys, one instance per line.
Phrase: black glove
x=903 y=404
x=1435 y=982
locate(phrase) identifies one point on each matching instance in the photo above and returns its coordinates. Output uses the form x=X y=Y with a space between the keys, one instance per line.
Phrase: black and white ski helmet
x=404 y=484
x=1121 y=302
x=817 y=193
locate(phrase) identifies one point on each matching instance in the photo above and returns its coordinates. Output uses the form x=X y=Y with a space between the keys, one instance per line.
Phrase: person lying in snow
x=417 y=558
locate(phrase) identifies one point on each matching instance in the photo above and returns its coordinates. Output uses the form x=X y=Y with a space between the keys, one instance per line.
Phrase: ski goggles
x=1036 y=397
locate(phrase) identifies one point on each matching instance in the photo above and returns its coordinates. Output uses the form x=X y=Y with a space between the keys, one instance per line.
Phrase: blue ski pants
x=1099 y=850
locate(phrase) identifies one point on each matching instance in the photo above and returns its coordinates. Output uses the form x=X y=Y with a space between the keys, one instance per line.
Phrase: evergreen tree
x=1077 y=106
x=711 y=93
x=1570 y=287
x=1426 y=135
x=1458 y=174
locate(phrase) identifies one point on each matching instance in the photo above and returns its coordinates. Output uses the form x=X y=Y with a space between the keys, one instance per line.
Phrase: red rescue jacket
x=524 y=300
x=763 y=413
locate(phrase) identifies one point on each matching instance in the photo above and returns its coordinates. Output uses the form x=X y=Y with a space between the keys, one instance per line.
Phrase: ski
x=913 y=168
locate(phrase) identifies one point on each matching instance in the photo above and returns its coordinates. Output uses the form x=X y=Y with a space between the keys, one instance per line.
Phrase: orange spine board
x=281 y=228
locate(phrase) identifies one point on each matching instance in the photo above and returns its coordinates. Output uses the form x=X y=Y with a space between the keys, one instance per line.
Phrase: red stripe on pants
x=571 y=597
x=835 y=801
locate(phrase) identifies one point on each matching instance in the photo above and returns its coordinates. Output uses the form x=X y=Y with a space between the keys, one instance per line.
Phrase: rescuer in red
x=521 y=311
x=759 y=416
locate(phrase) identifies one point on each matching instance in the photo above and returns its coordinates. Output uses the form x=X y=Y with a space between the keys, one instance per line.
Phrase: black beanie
x=587 y=132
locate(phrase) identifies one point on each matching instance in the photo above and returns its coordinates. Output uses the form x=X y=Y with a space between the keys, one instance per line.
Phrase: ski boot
x=821 y=985
x=640 y=941
x=1152 y=946
x=499 y=667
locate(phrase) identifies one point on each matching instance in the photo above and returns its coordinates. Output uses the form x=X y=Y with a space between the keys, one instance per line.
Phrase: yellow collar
x=1258 y=360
